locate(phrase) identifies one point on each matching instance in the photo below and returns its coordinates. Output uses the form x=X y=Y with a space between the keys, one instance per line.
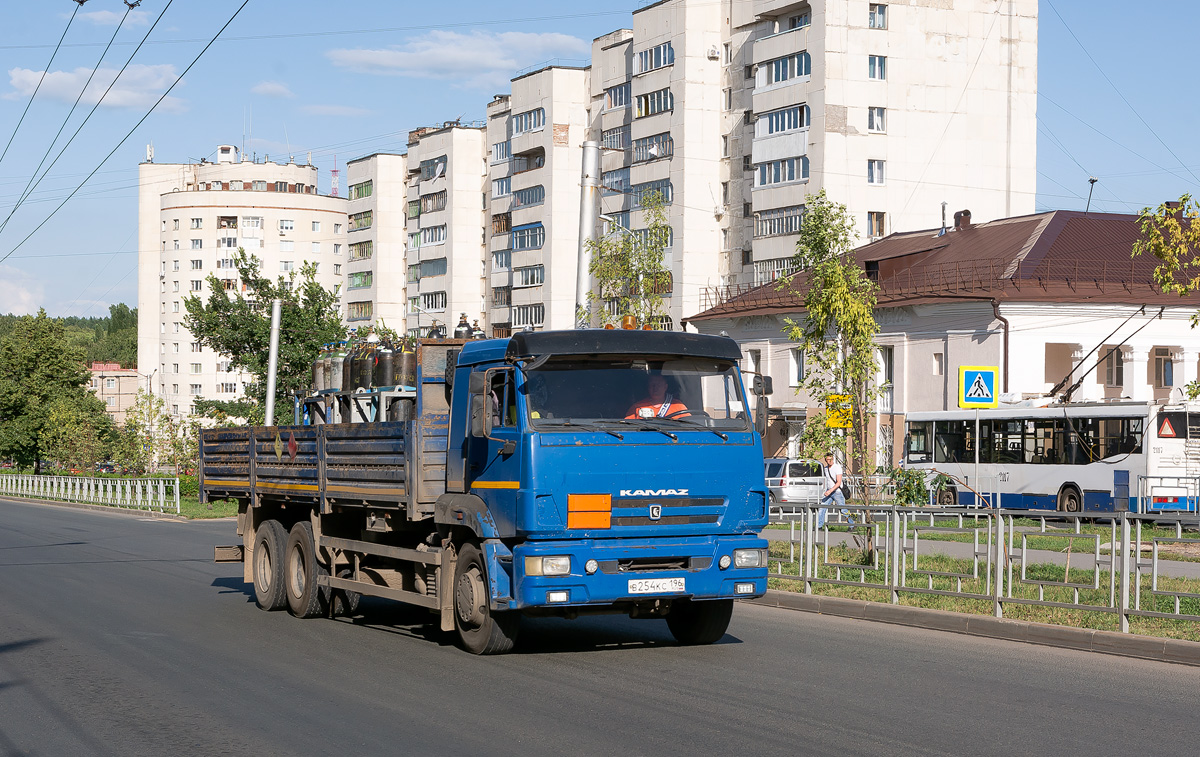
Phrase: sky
x=342 y=80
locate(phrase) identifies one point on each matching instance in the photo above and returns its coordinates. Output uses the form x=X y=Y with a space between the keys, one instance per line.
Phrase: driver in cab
x=659 y=403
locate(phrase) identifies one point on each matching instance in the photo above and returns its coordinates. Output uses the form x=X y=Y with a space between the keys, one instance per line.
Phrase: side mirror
x=477 y=384
x=763 y=385
x=760 y=416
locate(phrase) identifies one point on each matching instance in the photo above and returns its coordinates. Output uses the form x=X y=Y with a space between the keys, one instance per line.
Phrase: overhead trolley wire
x=57 y=47
x=130 y=133
x=29 y=188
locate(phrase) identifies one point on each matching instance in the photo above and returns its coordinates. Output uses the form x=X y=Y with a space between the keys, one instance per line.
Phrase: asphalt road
x=119 y=636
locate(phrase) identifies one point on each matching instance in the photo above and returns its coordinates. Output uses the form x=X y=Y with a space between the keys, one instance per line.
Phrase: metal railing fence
x=160 y=494
x=890 y=549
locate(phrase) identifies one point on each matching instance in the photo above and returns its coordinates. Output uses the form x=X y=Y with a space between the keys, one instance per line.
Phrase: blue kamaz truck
x=547 y=474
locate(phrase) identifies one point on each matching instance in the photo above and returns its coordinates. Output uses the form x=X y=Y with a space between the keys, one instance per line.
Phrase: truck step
x=236 y=553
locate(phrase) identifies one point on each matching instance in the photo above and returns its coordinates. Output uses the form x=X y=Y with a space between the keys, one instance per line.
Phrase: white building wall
x=384 y=296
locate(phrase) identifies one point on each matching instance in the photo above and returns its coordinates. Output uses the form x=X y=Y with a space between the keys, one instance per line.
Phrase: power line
x=131 y=131
x=29 y=188
x=21 y=120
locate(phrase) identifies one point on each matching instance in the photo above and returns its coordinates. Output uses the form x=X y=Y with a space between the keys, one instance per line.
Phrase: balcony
x=788 y=144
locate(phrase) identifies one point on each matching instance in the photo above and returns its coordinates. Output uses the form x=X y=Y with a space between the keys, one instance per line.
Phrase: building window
x=286 y=265
x=174 y=286
x=529 y=276
x=501 y=151
x=197 y=265
x=432 y=169
x=287 y=245
x=779 y=221
x=174 y=306
x=316 y=248
x=501 y=260
x=502 y=187
x=196 y=368
x=358 y=192
x=788 y=67
x=875 y=224
x=782 y=171
x=799 y=21
x=281 y=186
x=414 y=241
x=795 y=367
x=1164 y=368
x=876 y=119
x=615 y=182
x=653 y=147
x=877 y=67
x=939 y=363
x=502 y=223
x=658 y=101
x=501 y=297
x=194 y=390
x=197 y=347
x=227 y=388
x=615 y=139
x=874 y=171
x=361 y=250
x=197 y=244
x=110 y=383
x=529 y=315
x=620 y=218
x=337 y=228
x=783 y=120
x=359 y=221
x=433 y=202
x=727 y=98
x=197 y=285
x=287 y=224
x=360 y=280
x=433 y=301
x=529 y=197
x=435 y=267
x=174 y=224
x=528 y=237
x=662 y=187
x=530 y=120
x=1114 y=368
x=359 y=311
x=617 y=97
x=877 y=16
x=197 y=223
x=766 y=271
x=656 y=57
x=433 y=235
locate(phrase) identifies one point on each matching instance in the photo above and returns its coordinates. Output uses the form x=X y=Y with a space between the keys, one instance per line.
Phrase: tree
x=78 y=433
x=837 y=332
x=627 y=268
x=152 y=438
x=239 y=327
x=39 y=371
x=1171 y=233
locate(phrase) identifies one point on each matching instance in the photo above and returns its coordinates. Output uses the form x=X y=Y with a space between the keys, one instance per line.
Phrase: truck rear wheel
x=479 y=629
x=694 y=623
x=269 y=540
x=304 y=597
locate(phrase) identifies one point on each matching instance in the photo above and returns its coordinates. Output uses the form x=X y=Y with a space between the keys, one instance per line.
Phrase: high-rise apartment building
x=536 y=137
x=447 y=170
x=192 y=218
x=376 y=265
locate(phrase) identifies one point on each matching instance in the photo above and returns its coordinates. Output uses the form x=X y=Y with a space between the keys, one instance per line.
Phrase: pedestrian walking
x=831 y=488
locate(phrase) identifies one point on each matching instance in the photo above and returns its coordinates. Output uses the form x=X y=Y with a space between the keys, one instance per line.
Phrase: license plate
x=655 y=585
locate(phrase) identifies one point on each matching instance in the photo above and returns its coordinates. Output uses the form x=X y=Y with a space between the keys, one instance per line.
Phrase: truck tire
x=305 y=598
x=345 y=602
x=479 y=629
x=269 y=539
x=693 y=623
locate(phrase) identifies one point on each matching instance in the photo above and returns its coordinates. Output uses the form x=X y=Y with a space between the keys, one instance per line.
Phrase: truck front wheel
x=479 y=629
x=269 y=539
x=699 y=622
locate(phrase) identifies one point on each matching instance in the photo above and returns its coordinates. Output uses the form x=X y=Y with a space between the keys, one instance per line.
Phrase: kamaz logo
x=654 y=492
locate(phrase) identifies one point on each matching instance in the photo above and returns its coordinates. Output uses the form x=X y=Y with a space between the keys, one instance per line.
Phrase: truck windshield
x=668 y=393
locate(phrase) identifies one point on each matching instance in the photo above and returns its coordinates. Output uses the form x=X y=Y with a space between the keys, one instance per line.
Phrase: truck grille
x=653 y=564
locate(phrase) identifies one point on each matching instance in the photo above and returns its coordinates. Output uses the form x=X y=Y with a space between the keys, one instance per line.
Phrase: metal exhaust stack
x=273 y=362
x=589 y=189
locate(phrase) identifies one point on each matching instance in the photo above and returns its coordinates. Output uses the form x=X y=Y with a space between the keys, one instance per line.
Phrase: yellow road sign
x=837 y=411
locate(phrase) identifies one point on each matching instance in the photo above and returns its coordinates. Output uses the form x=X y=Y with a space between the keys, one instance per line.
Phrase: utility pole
x=1091 y=185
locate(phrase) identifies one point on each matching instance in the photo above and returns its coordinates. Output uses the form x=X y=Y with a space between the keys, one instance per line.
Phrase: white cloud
x=272 y=89
x=139 y=87
x=21 y=294
x=477 y=60
x=334 y=110
x=112 y=18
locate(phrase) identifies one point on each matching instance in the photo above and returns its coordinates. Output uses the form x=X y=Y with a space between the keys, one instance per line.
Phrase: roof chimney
x=962 y=220
x=1176 y=209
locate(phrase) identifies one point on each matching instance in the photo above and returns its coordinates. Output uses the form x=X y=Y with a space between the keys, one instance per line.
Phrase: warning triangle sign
x=979 y=389
x=1166 y=430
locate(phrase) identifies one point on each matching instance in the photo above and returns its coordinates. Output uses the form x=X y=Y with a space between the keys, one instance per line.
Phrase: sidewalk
x=964 y=550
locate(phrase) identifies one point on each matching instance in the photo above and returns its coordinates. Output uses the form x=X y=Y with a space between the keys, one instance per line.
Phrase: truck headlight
x=559 y=565
x=749 y=558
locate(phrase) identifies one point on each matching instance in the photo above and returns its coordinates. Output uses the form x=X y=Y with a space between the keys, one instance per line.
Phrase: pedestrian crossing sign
x=977 y=386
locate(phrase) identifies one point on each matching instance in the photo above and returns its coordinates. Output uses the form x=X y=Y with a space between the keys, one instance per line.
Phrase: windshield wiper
x=701 y=426
x=584 y=426
x=647 y=427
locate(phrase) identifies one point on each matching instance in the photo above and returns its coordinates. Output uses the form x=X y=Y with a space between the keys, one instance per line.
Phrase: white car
x=793 y=481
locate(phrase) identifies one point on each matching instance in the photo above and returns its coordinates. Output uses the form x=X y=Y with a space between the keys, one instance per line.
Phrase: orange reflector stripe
x=589 y=520
x=589 y=503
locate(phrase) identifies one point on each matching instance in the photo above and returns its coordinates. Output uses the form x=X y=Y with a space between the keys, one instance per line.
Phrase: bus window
x=1007 y=444
x=954 y=442
x=1120 y=436
x=1044 y=442
x=918 y=441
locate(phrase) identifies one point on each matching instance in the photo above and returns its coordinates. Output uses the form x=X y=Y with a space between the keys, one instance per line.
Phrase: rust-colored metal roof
x=1063 y=256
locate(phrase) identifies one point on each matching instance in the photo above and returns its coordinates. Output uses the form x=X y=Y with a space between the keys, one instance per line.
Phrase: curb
x=1083 y=639
x=96 y=508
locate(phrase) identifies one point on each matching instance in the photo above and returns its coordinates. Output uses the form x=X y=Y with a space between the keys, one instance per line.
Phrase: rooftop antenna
x=150 y=153
x=1091 y=185
x=291 y=158
x=333 y=182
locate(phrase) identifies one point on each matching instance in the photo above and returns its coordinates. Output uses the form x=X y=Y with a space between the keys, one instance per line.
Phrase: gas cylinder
x=384 y=364
x=336 y=358
x=476 y=332
x=463 y=329
x=327 y=366
x=405 y=367
x=348 y=367
x=364 y=367
x=318 y=375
